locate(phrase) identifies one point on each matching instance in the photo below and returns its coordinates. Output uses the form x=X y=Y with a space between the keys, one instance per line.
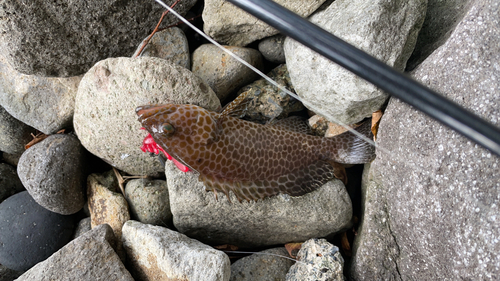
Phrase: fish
x=253 y=161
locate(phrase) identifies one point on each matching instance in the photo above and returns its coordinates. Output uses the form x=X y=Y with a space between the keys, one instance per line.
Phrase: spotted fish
x=253 y=161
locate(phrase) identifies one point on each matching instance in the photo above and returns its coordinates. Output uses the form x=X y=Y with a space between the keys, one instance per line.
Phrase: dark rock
x=53 y=173
x=66 y=39
x=148 y=201
x=89 y=257
x=10 y=183
x=7 y=274
x=83 y=226
x=29 y=233
x=271 y=264
x=14 y=134
x=272 y=48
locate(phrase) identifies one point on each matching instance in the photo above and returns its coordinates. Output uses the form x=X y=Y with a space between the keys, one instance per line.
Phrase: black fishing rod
x=376 y=72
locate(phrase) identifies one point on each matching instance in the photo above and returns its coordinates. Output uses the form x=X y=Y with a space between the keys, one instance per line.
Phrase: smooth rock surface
x=386 y=30
x=319 y=261
x=29 y=233
x=272 y=48
x=262 y=267
x=89 y=257
x=53 y=173
x=148 y=201
x=223 y=73
x=230 y=25
x=46 y=104
x=10 y=183
x=158 y=253
x=7 y=274
x=432 y=206
x=54 y=39
x=275 y=220
x=170 y=44
x=105 y=119
x=14 y=134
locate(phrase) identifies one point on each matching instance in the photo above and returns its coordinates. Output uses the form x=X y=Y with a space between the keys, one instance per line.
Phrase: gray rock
x=10 y=183
x=223 y=73
x=387 y=31
x=11 y=159
x=148 y=201
x=170 y=44
x=267 y=101
x=441 y=18
x=262 y=267
x=105 y=119
x=275 y=220
x=230 y=25
x=53 y=173
x=432 y=206
x=89 y=257
x=83 y=226
x=14 y=134
x=272 y=48
x=50 y=39
x=158 y=253
x=46 y=104
x=318 y=261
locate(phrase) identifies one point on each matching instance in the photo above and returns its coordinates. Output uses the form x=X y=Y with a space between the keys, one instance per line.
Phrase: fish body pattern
x=253 y=161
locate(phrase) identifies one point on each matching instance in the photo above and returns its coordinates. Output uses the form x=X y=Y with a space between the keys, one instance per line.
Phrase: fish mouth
x=146 y=111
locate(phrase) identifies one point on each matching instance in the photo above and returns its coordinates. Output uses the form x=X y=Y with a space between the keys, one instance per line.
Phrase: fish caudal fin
x=296 y=183
x=347 y=148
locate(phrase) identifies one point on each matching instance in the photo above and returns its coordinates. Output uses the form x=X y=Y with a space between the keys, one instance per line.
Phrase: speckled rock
x=10 y=183
x=223 y=73
x=387 y=31
x=148 y=201
x=14 y=134
x=267 y=101
x=105 y=119
x=29 y=233
x=272 y=48
x=106 y=206
x=46 y=104
x=89 y=257
x=83 y=226
x=432 y=205
x=158 y=253
x=275 y=220
x=261 y=266
x=230 y=25
x=54 y=39
x=319 y=261
x=53 y=173
x=170 y=44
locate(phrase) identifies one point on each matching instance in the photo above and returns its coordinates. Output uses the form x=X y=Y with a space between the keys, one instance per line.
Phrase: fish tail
x=347 y=148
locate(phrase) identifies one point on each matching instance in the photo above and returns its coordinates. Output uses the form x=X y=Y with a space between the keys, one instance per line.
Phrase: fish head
x=175 y=126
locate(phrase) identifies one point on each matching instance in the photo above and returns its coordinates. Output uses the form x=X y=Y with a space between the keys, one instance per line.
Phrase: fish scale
x=251 y=160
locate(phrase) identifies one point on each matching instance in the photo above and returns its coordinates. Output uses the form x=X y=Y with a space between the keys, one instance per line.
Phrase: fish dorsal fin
x=295 y=183
x=293 y=123
x=238 y=107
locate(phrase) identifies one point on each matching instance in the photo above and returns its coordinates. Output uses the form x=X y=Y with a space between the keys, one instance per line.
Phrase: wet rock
x=272 y=48
x=223 y=73
x=162 y=254
x=432 y=206
x=53 y=173
x=275 y=220
x=148 y=201
x=83 y=226
x=261 y=266
x=170 y=44
x=10 y=183
x=105 y=119
x=230 y=25
x=46 y=104
x=267 y=101
x=29 y=233
x=14 y=134
x=318 y=261
x=89 y=257
x=106 y=206
x=50 y=39
x=331 y=89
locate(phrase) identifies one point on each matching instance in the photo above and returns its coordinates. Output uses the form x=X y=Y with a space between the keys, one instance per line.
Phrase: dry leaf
x=39 y=137
x=293 y=249
x=226 y=247
x=376 y=116
x=346 y=246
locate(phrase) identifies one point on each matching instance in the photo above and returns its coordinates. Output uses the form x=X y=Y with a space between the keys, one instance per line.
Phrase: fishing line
x=269 y=254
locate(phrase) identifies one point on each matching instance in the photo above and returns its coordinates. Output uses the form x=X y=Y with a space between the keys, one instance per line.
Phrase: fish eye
x=167 y=128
